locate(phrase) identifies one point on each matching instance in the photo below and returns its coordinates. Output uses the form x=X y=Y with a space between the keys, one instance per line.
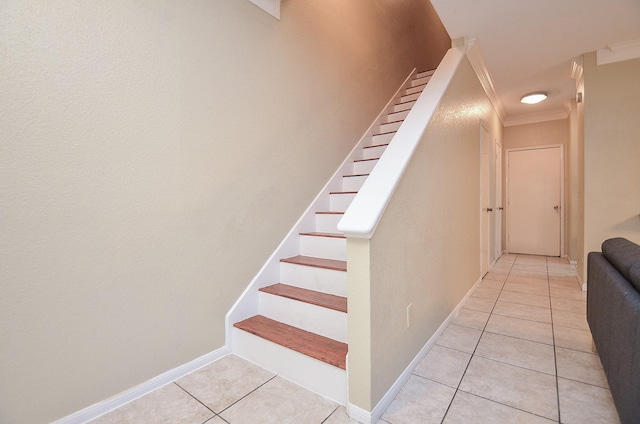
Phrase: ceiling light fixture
x=533 y=98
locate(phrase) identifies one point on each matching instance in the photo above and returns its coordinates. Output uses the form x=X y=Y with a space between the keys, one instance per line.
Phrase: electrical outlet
x=409 y=315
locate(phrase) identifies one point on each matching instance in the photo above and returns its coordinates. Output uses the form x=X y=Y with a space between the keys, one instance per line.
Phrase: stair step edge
x=319 y=347
x=332 y=264
x=325 y=300
x=320 y=234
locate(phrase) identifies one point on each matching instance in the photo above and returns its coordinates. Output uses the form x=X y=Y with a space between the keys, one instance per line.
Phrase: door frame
x=562 y=203
x=486 y=149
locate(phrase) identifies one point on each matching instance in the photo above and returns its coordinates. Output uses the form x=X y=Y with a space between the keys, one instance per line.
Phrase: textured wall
x=426 y=248
x=153 y=154
x=611 y=152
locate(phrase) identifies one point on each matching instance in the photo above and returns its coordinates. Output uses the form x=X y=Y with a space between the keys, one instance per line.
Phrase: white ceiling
x=528 y=45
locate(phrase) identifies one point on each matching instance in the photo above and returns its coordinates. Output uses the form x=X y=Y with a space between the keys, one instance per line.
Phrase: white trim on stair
x=366 y=417
x=94 y=411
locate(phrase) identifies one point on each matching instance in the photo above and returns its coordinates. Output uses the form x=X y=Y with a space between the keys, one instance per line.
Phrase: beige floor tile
x=420 y=401
x=167 y=405
x=568 y=293
x=517 y=387
x=479 y=304
x=339 y=416
x=531 y=274
x=525 y=299
x=467 y=408
x=580 y=366
x=552 y=260
x=570 y=319
x=493 y=275
x=524 y=329
x=562 y=272
x=486 y=293
x=569 y=305
x=492 y=284
x=216 y=420
x=517 y=310
x=517 y=278
x=470 y=318
x=535 y=259
x=571 y=283
x=572 y=338
x=279 y=401
x=528 y=288
x=585 y=404
x=443 y=365
x=501 y=266
x=224 y=382
x=460 y=338
x=519 y=352
x=530 y=268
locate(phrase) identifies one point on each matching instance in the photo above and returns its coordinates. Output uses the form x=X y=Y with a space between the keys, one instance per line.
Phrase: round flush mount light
x=533 y=98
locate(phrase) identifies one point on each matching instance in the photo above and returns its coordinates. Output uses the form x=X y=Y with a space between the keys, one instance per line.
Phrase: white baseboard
x=366 y=417
x=108 y=405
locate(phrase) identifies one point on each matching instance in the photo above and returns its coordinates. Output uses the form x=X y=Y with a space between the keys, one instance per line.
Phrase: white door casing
x=498 y=207
x=535 y=200
x=485 y=200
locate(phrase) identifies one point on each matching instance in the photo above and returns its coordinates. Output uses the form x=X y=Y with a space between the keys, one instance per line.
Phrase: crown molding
x=272 y=7
x=618 y=52
x=532 y=118
x=476 y=58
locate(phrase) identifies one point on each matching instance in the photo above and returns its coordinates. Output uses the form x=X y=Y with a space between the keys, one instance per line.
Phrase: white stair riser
x=410 y=97
x=364 y=167
x=382 y=138
x=323 y=247
x=353 y=183
x=396 y=116
x=373 y=152
x=393 y=126
x=413 y=90
x=425 y=73
x=420 y=81
x=403 y=106
x=315 y=319
x=314 y=375
x=340 y=202
x=328 y=222
x=323 y=280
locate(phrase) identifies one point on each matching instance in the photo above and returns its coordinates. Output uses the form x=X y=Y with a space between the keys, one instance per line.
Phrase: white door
x=498 y=208
x=534 y=188
x=485 y=205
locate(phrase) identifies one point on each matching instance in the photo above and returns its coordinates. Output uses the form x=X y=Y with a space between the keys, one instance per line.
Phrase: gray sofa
x=613 y=313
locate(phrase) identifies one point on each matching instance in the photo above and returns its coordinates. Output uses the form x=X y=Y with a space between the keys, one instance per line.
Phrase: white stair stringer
x=315 y=375
x=312 y=258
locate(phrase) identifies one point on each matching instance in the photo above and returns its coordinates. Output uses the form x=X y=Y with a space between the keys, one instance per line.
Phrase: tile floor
x=519 y=351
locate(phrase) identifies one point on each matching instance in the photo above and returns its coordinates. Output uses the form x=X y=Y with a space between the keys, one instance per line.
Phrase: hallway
x=519 y=351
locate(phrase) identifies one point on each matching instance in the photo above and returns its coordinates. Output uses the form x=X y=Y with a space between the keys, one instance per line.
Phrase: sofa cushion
x=634 y=274
x=622 y=254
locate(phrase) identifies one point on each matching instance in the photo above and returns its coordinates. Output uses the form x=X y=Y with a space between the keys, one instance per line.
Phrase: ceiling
x=528 y=45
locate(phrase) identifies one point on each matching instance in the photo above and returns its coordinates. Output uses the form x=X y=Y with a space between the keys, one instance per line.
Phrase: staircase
x=300 y=330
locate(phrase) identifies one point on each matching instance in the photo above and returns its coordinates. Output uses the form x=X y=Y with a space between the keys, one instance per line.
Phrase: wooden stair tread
x=330 y=212
x=364 y=160
x=354 y=175
x=376 y=145
x=329 y=301
x=385 y=133
x=317 y=262
x=318 y=234
x=319 y=347
x=343 y=192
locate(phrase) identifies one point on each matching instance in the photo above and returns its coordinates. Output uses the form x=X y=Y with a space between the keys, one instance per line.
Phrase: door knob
x=489 y=209
x=500 y=208
x=556 y=207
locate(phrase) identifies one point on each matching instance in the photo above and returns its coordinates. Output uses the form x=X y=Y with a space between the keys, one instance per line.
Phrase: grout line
x=555 y=352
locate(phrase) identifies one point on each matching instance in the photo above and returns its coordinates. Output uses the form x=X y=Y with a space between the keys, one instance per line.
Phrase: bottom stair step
x=322 y=348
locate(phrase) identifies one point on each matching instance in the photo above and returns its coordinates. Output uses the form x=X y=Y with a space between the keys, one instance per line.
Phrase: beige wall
x=611 y=152
x=541 y=134
x=153 y=156
x=426 y=249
